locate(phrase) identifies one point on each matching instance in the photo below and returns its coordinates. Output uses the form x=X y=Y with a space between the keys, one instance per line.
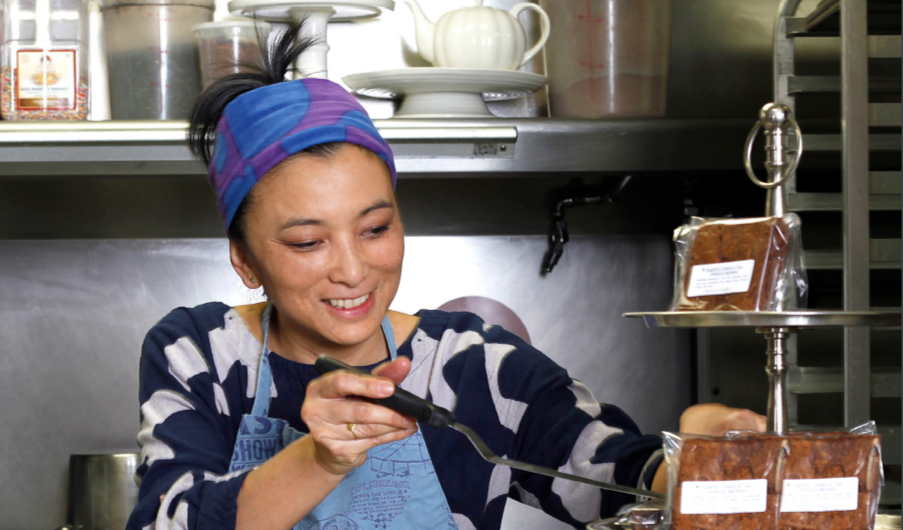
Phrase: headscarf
x=262 y=127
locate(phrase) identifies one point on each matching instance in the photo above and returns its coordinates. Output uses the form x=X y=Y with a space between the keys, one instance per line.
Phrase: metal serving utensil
x=429 y=414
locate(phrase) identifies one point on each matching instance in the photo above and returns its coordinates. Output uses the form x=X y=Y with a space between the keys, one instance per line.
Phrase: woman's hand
x=713 y=419
x=333 y=405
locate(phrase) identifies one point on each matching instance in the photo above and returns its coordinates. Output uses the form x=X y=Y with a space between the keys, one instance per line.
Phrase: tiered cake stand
x=777 y=327
x=318 y=14
x=777 y=123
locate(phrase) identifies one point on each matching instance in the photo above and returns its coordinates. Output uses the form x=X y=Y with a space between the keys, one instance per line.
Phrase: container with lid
x=608 y=58
x=152 y=57
x=226 y=45
x=44 y=60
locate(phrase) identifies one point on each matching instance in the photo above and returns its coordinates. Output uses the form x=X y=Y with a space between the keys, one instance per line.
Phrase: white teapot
x=477 y=37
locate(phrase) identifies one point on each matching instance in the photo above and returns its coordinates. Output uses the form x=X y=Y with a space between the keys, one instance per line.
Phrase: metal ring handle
x=789 y=174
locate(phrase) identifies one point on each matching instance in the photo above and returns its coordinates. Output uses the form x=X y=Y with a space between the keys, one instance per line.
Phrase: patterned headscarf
x=263 y=127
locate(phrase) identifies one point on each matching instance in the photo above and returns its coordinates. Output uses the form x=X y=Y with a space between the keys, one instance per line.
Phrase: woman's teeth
x=349 y=303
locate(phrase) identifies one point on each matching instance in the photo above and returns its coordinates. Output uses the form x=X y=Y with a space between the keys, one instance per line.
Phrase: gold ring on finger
x=351 y=427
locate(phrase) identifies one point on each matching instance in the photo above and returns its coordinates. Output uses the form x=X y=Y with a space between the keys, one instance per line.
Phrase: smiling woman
x=238 y=429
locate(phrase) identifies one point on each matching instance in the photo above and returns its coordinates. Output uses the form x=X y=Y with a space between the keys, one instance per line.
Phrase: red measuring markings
x=590 y=61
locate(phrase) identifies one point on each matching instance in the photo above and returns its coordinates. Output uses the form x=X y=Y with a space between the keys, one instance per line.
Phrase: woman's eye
x=377 y=230
x=307 y=245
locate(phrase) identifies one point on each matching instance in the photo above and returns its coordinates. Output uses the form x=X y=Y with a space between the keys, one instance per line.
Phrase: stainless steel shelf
x=884 y=195
x=885 y=114
x=883 y=254
x=884 y=46
x=885 y=382
x=797 y=84
x=435 y=147
x=834 y=142
x=833 y=202
x=824 y=21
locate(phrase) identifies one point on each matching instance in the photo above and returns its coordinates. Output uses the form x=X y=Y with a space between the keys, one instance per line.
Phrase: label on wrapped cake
x=723 y=496
x=721 y=278
x=820 y=495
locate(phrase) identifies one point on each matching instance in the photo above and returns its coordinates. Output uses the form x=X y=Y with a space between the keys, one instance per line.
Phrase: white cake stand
x=318 y=13
x=445 y=92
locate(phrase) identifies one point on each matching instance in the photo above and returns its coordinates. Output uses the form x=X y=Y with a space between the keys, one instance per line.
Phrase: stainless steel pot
x=102 y=490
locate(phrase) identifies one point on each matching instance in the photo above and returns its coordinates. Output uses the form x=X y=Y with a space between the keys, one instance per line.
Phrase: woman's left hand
x=711 y=419
x=714 y=419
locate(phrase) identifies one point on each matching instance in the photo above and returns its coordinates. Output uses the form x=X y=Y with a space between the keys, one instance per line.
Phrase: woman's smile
x=351 y=308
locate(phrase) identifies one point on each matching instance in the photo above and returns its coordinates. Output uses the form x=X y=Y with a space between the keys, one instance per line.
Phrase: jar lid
x=237 y=23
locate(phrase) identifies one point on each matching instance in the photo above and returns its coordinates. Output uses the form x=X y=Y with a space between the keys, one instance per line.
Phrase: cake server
x=427 y=413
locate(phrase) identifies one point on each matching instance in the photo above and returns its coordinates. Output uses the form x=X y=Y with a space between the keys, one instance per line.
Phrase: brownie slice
x=765 y=240
x=836 y=455
x=730 y=459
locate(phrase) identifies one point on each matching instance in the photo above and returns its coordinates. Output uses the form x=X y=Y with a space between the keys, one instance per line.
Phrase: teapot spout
x=425 y=30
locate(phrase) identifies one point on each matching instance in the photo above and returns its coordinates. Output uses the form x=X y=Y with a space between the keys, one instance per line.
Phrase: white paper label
x=820 y=495
x=724 y=496
x=721 y=278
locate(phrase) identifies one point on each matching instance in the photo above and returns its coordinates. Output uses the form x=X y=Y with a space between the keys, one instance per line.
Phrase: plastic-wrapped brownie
x=831 y=481
x=717 y=483
x=750 y=264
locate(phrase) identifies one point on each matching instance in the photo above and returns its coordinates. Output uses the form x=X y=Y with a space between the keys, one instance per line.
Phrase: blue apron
x=396 y=487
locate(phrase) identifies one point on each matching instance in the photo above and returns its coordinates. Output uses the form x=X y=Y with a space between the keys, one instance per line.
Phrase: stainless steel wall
x=74 y=314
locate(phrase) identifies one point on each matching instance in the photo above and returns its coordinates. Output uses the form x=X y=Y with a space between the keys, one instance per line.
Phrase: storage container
x=608 y=57
x=152 y=57
x=226 y=45
x=44 y=60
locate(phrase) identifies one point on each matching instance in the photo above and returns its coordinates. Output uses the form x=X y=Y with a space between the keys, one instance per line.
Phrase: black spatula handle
x=401 y=401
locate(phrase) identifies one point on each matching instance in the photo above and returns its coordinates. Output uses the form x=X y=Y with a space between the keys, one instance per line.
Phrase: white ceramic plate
x=494 y=85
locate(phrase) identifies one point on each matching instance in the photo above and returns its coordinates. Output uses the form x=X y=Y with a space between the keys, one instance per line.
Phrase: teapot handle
x=544 y=24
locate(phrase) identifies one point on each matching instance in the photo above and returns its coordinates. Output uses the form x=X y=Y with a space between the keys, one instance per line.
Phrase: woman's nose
x=349 y=265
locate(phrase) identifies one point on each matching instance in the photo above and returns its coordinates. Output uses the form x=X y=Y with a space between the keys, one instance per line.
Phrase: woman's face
x=325 y=240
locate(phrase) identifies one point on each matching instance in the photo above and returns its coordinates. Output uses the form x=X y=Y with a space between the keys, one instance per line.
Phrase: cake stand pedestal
x=777 y=328
x=318 y=14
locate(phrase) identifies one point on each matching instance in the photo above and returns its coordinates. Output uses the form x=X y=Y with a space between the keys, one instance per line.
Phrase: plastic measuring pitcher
x=608 y=57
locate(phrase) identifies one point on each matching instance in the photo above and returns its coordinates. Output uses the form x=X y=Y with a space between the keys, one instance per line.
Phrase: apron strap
x=265 y=374
x=389 y=333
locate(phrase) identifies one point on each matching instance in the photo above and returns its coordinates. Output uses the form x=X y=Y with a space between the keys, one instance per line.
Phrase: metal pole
x=775 y=160
x=776 y=367
x=854 y=126
x=783 y=62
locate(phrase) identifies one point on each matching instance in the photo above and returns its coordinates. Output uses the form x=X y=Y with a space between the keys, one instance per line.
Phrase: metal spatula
x=429 y=414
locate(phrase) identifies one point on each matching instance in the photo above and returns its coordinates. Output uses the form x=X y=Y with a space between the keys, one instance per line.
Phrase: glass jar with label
x=44 y=60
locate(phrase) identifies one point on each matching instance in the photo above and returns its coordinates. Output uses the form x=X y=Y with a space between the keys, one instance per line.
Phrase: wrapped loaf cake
x=754 y=481
x=855 y=458
x=721 y=460
x=750 y=264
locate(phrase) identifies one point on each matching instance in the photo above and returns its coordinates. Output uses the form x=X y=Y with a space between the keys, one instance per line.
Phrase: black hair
x=274 y=64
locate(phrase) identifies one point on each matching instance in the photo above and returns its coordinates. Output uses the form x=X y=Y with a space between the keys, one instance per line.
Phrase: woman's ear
x=238 y=254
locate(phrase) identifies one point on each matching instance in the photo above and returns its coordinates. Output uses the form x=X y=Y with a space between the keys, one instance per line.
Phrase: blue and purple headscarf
x=261 y=128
